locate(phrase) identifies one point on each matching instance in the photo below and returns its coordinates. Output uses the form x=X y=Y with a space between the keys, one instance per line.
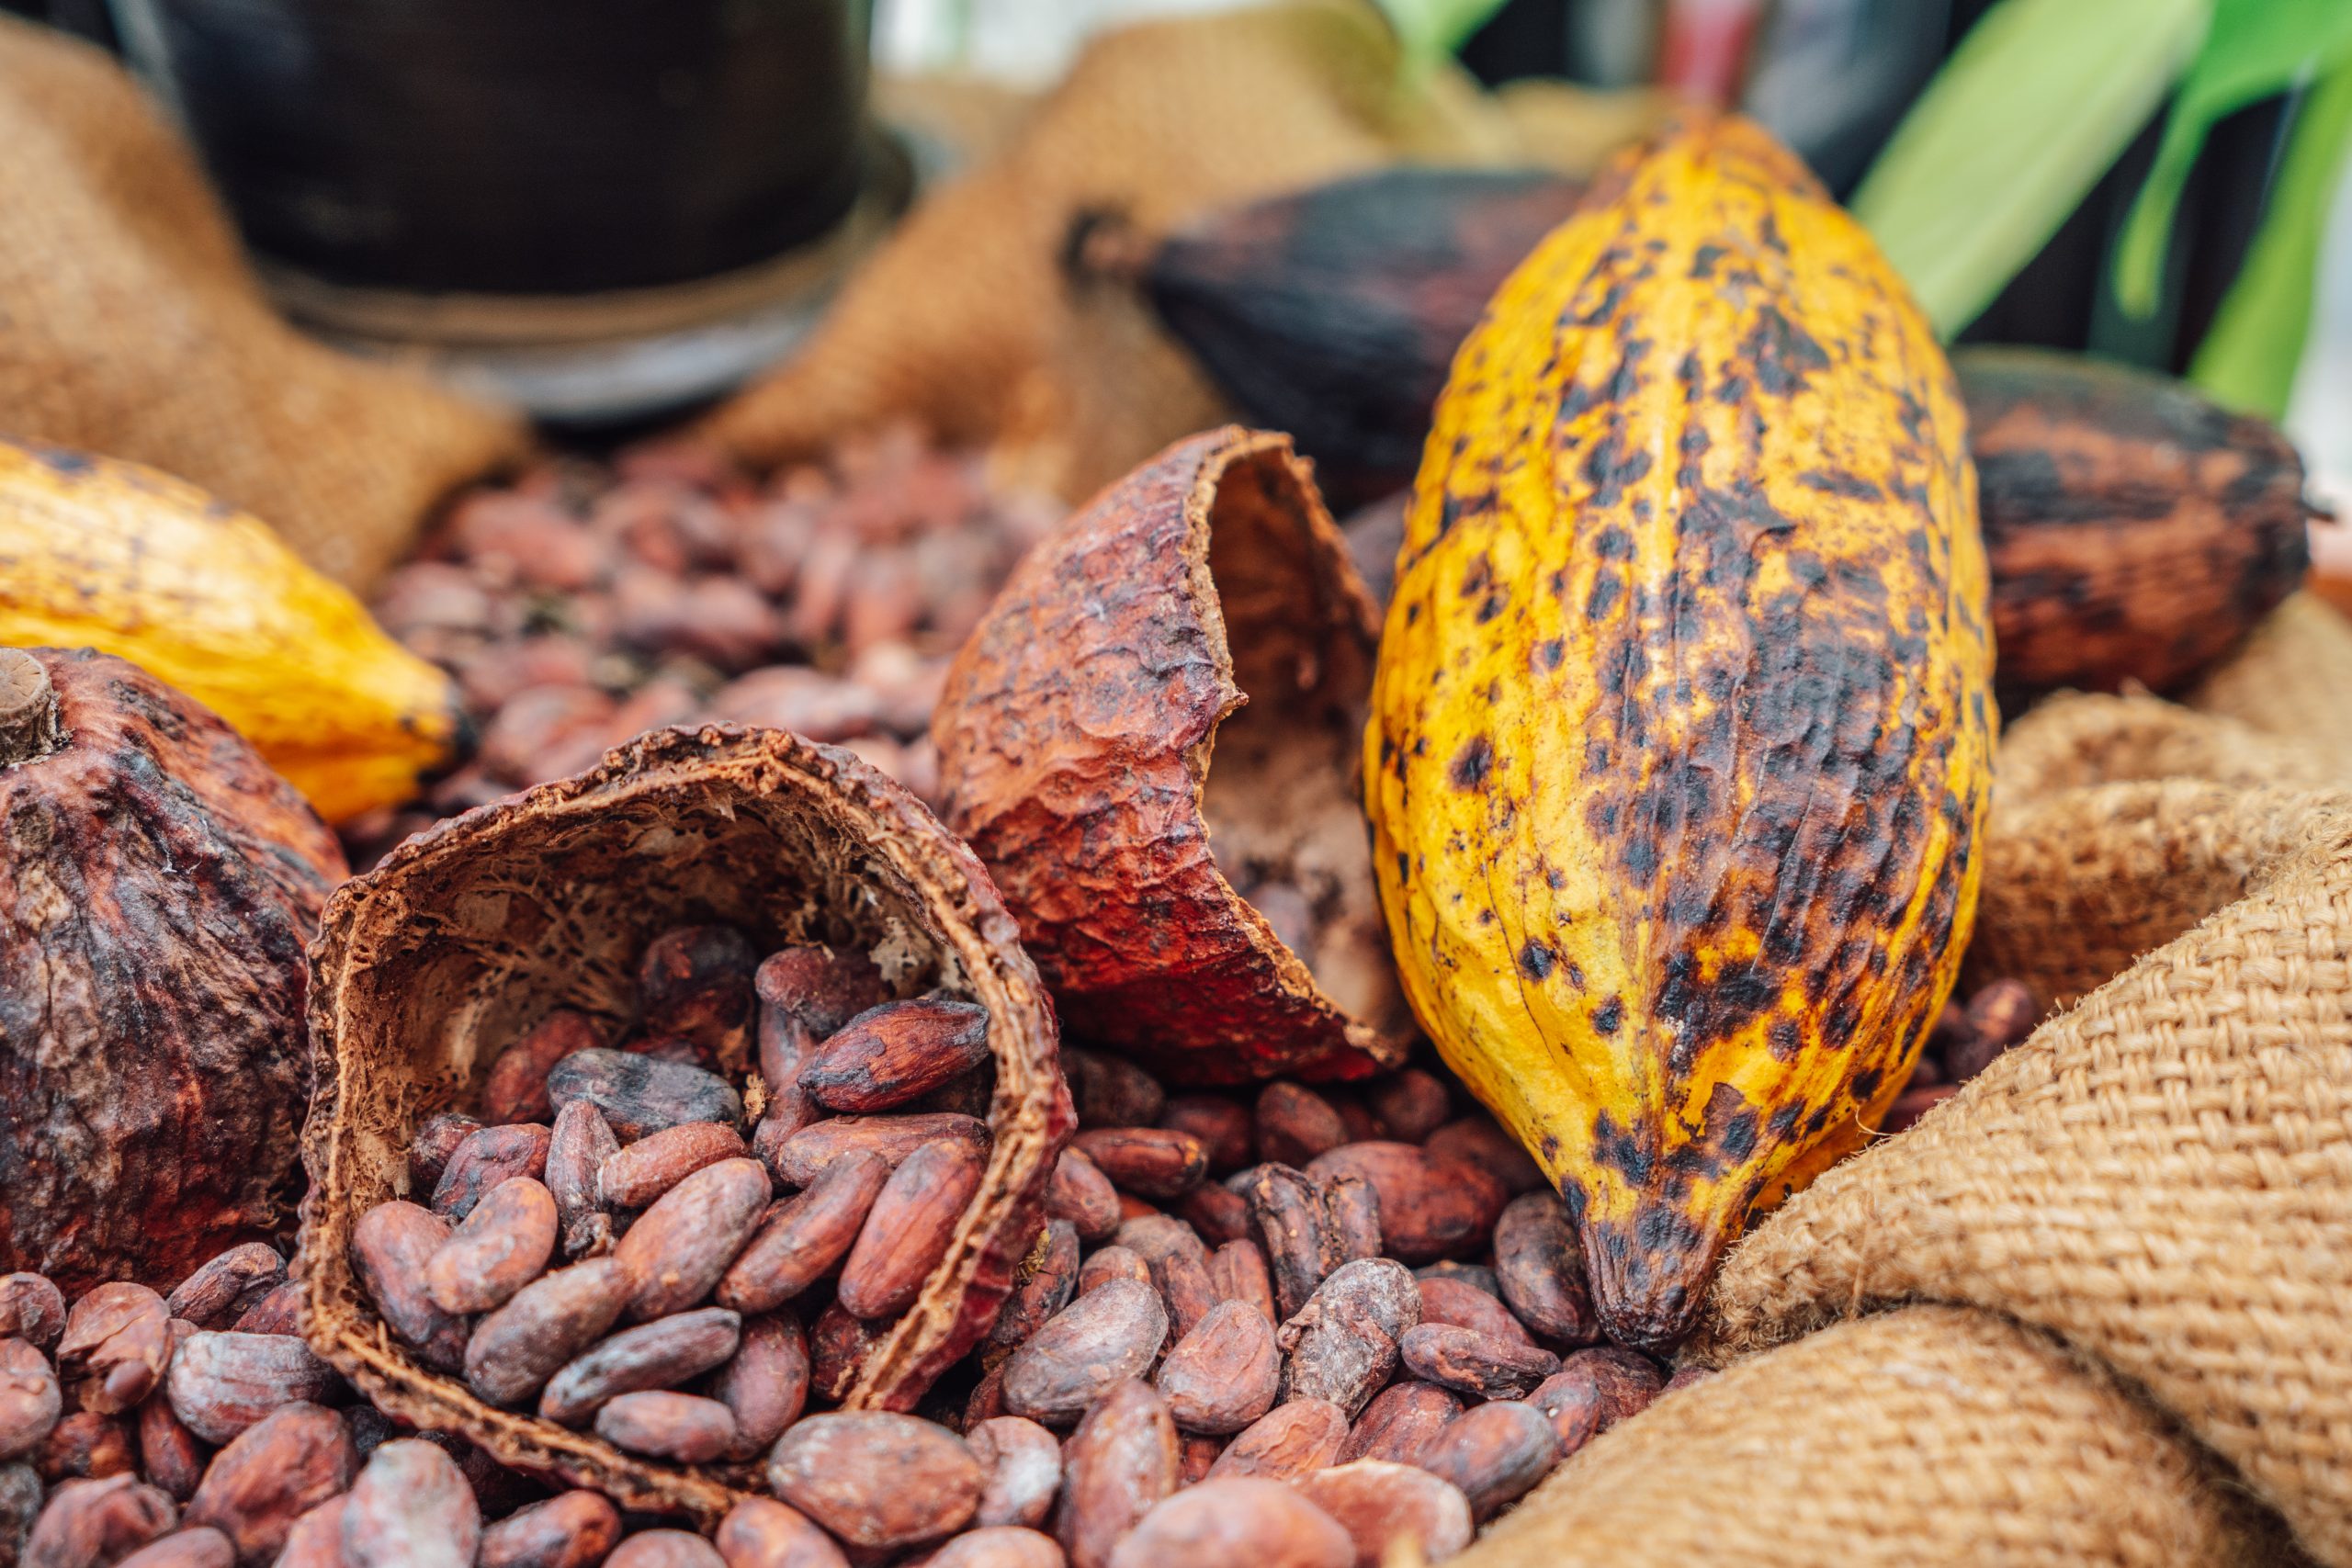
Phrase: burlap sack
x=2113 y=1276
x=130 y=325
x=966 y=322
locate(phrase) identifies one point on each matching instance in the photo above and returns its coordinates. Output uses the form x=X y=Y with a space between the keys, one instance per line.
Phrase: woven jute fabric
x=2096 y=1307
x=130 y=325
x=967 y=321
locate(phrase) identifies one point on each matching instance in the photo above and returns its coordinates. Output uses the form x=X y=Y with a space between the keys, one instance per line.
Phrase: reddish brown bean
x=197 y=1548
x=1593 y=1391
x=1108 y=1263
x=1539 y=1263
x=31 y=1309
x=1223 y=1126
x=1495 y=1453
x=675 y=1253
x=316 y=1539
x=117 y=1342
x=1023 y=1463
x=1430 y=1207
x=1351 y=1220
x=1111 y=1091
x=279 y=1312
x=1293 y=1437
x=1286 y=1216
x=908 y=1231
x=811 y=992
x=1098 y=1341
x=637 y=1094
x=1152 y=1162
x=410 y=1508
x=1391 y=1509
x=86 y=1445
x=896 y=1053
x=516 y=1088
x=806 y=1155
x=1464 y=1305
x=765 y=1385
x=1238 y=1271
x=875 y=1479
x=1291 y=1124
x=1400 y=1418
x=430 y=1146
x=696 y=981
x=838 y=1347
x=389 y=1248
x=1231 y=1520
x=88 y=1524
x=170 y=1456
x=1081 y=1194
x=1343 y=1344
x=573 y=1529
x=485 y=1159
x=801 y=1240
x=1470 y=1362
x=502 y=1245
x=1222 y=1375
x=1219 y=1213
x=665 y=1549
x=215 y=1295
x=516 y=1350
x=277 y=1470
x=760 y=1532
x=660 y=1424
x=634 y=1177
x=223 y=1383
x=30 y=1399
x=1045 y=1283
x=655 y=1355
x=577 y=1150
x=1476 y=1141
x=1412 y=1104
x=999 y=1546
x=1121 y=1462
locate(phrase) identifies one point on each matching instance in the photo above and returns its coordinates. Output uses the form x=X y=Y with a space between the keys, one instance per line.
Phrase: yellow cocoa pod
x=1682 y=726
x=95 y=553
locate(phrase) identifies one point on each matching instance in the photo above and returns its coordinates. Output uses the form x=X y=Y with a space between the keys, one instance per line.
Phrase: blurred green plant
x=1430 y=30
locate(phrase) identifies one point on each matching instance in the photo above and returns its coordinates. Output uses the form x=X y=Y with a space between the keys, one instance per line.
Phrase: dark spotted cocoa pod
x=215 y=1295
x=436 y=1138
x=1224 y=1373
x=574 y=1530
x=30 y=1399
x=1400 y=1418
x=502 y=1245
x=1023 y=1465
x=1391 y=1511
x=1539 y=1263
x=1099 y=1340
x=220 y=1384
x=31 y=1309
x=1152 y=1162
x=1292 y=1438
x=517 y=1089
x=1230 y=1519
x=639 y=1094
x=1593 y=1391
x=765 y=1385
x=696 y=982
x=896 y=1053
x=1046 y=1283
x=659 y=1354
x=577 y=1150
x=660 y=1424
x=410 y=1508
x=389 y=1248
x=1495 y=1453
x=634 y=1177
x=1342 y=1345
x=92 y=1523
x=1238 y=1271
x=807 y=1154
x=1121 y=1460
x=760 y=1532
x=1081 y=1194
x=875 y=1479
x=485 y=1159
x=515 y=1351
x=908 y=1231
x=1224 y=1127
x=676 y=1251
x=1291 y=1124
x=271 y=1474
x=1470 y=1362
x=118 y=1341
x=800 y=1240
x=1464 y=1305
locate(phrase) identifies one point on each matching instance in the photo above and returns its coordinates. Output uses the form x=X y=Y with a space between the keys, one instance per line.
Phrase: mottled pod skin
x=1075 y=737
x=1682 y=724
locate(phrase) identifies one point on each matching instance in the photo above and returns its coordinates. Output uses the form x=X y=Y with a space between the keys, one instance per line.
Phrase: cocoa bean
x=675 y=1048
x=86 y=1445
x=117 y=1342
x=170 y=1456
x=498 y=1489
x=1539 y=1263
x=999 y=1546
x=683 y=1427
x=391 y=1244
x=1119 y=1463
x=1085 y=1350
x=655 y=1355
x=218 y=1293
x=1686 y=1375
x=410 y=1508
x=223 y=1383
x=787 y=1112
x=1412 y=1104
x=908 y=1229
x=2003 y=1012
x=515 y=1351
x=839 y=1345
x=636 y=1176
x=1351 y=1220
x=896 y=1053
x=1400 y=1418
x=31 y=1309
x=1197 y=1454
x=1080 y=1193
x=1389 y=1510
x=665 y=1549
x=1429 y=1208
x=1495 y=1453
x=1293 y=1437
x=1224 y=1127
x=1593 y=1391
x=1152 y=1162
x=806 y=1153
x=1044 y=1284
x=1223 y=1374
x=576 y=1154
x=765 y=1385
x=876 y=1479
x=986 y=1401
x=816 y=989
x=279 y=1467
x=502 y=1245
x=21 y=1493
x=573 y=1529
x=516 y=1088
x=1022 y=1464
x=1153 y=1237
x=696 y=981
x=1478 y=1276
x=30 y=1399
x=1218 y=1213
x=1286 y=1215
x=1225 y=1521
x=801 y=1239
x=1470 y=1362
x=429 y=1148
x=1108 y=1263
x=485 y=1159
x=1185 y=1288
x=1466 y=1306
x=1363 y=1126
x=1111 y=1091
x=1342 y=1344
x=90 y=1524
x=676 y=1251
x=316 y=1539
x=760 y=1532
x=1476 y=1141
x=279 y=1312
x=197 y=1548
x=1291 y=1125
x=1237 y=1272
x=637 y=1095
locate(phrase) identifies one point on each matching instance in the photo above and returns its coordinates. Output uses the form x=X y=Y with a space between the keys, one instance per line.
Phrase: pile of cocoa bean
x=1964 y=1042
x=588 y=601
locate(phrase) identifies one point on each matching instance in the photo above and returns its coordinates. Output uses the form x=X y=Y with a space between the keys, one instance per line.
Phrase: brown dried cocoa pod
x=1046 y=1283
x=1112 y=1091
x=30 y=1399
x=1593 y=1391
x=1400 y=1418
x=1429 y=1208
x=1293 y=1437
x=1539 y=1263
x=637 y=1094
x=1476 y=1141
x=1495 y=1453
x=656 y=1355
x=577 y=1150
x=197 y=1548
x=93 y=1523
x=31 y=1309
x=1237 y=1272
x=1219 y=1213
x=215 y=1295
x=275 y=1472
x=1286 y=1212
x=516 y=1088
x=515 y=1351
x=1464 y=1305
x=502 y=1245
x=1152 y=1162
x=575 y=1529
x=674 y=1254
x=436 y=1139
x=1224 y=1374
x=1119 y=1463
x=808 y=1153
x=801 y=1239
x=1099 y=1340
x=118 y=1341
x=1291 y=1125
x=661 y=1424
x=485 y=1159
x=877 y=1479
x=1412 y=1104
x=1391 y=1508
x=410 y=1508
x=1230 y=1519
x=999 y=1546
x=1022 y=1464
x=910 y=1227
x=389 y=1247
x=760 y=1532
x=86 y=1445
x=1470 y=1362
x=696 y=982
x=895 y=1052
x=154 y=1061
x=1080 y=1193
x=223 y=1383
x=1209 y=576
x=1108 y=1263
x=634 y=1177
x=1342 y=1345
x=316 y=1539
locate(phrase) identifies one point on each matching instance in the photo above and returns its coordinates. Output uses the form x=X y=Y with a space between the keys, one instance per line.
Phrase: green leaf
x=1432 y=29
x=2249 y=357
x=2019 y=125
x=2255 y=48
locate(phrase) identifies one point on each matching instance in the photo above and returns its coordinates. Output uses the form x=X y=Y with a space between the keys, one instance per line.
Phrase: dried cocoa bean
x=1466 y=1306
x=805 y=1154
x=31 y=1309
x=634 y=1177
x=760 y=1532
x=807 y=994
x=765 y=1385
x=389 y=1248
x=665 y=1549
x=574 y=1530
x=223 y=1383
x=908 y=1231
x=1351 y=1220
x=1111 y=1091
x=1343 y=1344
x=1478 y=1276
x=1686 y=1375
x=218 y=1293
x=1185 y=1288
x=516 y=1088
x=1293 y=1437
x=410 y=1508
x=1470 y=1362
x=788 y=1111
x=2003 y=1013
x=839 y=1345
x=502 y=1245
x=435 y=1139
x=683 y=1427
x=1391 y=1509
x=30 y=1399
x=675 y=1048
x=515 y=1351
x=1495 y=1453
x=485 y=1159
x=1154 y=1236
x=1152 y=1162
x=279 y=1312
x=676 y=1251
x=1108 y=1263
x=1412 y=1104
x=1429 y=1208
x=170 y=1456
x=1044 y=1284
x=90 y=1524
x=86 y=1446
x=20 y=1492
x=1089 y=1347
x=197 y=1548
x=999 y=1546
x=1022 y=1464
x=117 y=1342
x=1593 y=1391
x=1224 y=1127
x=1119 y=1463
x=655 y=1355
x=1292 y=1123
x=696 y=981
x=1476 y=1141
x=1081 y=1194
x=1223 y=1374
x=1225 y=1521
x=1286 y=1213
x=875 y=1479
x=1400 y=1418
x=271 y=1474
x=896 y=1053
x=1539 y=1263
x=1218 y=1213
x=581 y=1143
x=316 y=1539
x=1363 y=1126
x=1237 y=1273
x=637 y=1095
x=801 y=1239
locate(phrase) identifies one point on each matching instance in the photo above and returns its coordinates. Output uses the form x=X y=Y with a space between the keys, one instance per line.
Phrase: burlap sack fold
x=130 y=325
x=2146 y=1210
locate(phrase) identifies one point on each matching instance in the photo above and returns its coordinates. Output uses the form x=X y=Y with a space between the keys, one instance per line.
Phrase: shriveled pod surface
x=467 y=935
x=1214 y=915
x=1683 y=720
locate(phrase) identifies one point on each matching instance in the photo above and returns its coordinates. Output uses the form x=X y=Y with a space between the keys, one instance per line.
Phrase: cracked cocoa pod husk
x=1205 y=601
x=157 y=883
x=545 y=900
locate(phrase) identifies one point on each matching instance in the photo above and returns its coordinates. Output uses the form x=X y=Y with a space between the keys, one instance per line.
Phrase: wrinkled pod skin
x=1682 y=723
